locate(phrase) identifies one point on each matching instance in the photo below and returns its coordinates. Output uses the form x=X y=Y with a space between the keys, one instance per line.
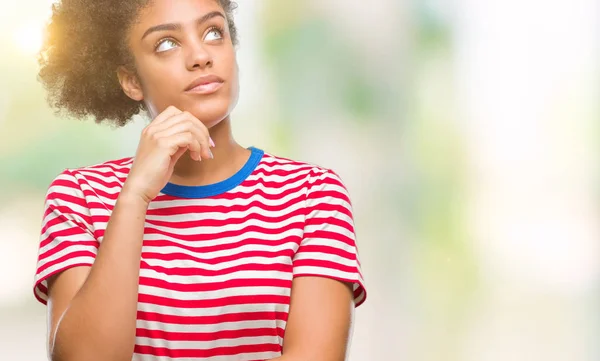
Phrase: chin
x=210 y=112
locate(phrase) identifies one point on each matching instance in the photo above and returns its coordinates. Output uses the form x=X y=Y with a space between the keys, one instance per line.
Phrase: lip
x=205 y=84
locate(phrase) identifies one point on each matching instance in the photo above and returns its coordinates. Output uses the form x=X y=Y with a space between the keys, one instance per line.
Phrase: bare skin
x=86 y=320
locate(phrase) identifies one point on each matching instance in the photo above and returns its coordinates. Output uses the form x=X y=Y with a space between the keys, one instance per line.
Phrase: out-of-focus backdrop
x=467 y=132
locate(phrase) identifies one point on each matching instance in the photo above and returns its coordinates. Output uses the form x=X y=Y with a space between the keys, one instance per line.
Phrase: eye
x=165 y=44
x=214 y=34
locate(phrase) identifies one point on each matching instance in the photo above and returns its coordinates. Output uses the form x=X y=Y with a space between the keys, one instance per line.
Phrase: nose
x=198 y=57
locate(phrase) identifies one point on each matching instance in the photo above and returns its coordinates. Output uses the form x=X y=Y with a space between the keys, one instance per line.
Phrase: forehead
x=175 y=11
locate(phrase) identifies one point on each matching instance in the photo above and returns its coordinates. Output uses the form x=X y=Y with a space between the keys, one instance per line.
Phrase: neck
x=229 y=157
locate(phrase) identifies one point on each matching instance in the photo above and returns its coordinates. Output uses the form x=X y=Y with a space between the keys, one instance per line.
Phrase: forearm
x=100 y=322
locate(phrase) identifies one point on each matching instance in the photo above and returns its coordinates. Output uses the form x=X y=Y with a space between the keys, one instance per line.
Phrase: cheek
x=235 y=86
x=159 y=89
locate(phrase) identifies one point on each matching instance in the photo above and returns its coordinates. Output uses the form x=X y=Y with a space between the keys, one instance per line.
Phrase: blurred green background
x=467 y=133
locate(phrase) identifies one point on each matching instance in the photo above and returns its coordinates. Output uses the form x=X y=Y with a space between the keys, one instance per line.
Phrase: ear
x=130 y=83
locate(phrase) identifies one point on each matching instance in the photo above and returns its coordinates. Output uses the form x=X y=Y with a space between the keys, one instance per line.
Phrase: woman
x=196 y=248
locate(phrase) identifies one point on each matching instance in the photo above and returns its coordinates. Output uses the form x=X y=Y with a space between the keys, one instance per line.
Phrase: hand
x=162 y=143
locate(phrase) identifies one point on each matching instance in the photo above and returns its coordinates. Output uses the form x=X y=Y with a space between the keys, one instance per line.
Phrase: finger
x=187 y=122
x=165 y=114
x=182 y=117
x=150 y=129
x=175 y=157
x=182 y=127
x=184 y=140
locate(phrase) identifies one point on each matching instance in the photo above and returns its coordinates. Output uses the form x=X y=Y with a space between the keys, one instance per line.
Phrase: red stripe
x=64 y=233
x=329 y=221
x=321 y=234
x=272 y=161
x=209 y=336
x=207 y=320
x=216 y=302
x=115 y=166
x=221 y=247
x=196 y=271
x=65 y=258
x=97 y=192
x=324 y=264
x=228 y=221
x=261 y=172
x=224 y=234
x=199 y=353
x=64 y=244
x=327 y=250
x=175 y=256
x=215 y=286
x=175 y=210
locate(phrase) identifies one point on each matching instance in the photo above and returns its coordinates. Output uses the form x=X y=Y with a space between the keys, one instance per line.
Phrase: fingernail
x=212 y=144
x=211 y=155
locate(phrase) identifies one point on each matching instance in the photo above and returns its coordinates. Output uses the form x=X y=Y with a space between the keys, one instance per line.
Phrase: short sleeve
x=66 y=239
x=328 y=247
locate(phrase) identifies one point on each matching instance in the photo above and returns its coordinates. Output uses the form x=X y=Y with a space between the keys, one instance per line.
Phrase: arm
x=327 y=283
x=320 y=320
x=92 y=310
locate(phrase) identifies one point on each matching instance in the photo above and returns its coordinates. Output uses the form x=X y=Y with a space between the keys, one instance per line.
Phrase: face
x=184 y=57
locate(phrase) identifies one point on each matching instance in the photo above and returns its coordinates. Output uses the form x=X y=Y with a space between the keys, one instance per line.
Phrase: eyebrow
x=177 y=27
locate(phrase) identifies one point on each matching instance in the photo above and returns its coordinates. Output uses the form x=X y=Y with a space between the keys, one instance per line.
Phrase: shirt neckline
x=221 y=187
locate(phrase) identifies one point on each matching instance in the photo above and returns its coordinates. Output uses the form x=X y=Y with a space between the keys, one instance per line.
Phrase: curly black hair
x=84 y=46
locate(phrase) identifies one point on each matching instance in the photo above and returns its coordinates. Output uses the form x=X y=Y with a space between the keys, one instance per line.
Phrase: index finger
x=166 y=114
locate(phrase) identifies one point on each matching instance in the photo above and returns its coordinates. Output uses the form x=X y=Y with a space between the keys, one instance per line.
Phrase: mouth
x=205 y=85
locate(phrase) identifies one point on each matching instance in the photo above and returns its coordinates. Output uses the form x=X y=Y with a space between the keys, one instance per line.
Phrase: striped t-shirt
x=217 y=261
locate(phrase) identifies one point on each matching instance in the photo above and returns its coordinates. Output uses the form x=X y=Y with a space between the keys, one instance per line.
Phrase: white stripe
x=63 y=252
x=219 y=241
x=326 y=214
x=211 y=295
x=298 y=169
x=63 y=266
x=93 y=186
x=325 y=257
x=37 y=290
x=58 y=227
x=281 y=187
x=238 y=275
x=326 y=272
x=203 y=345
x=330 y=228
x=236 y=202
x=277 y=178
x=206 y=230
x=332 y=187
x=328 y=243
x=222 y=253
x=116 y=176
x=222 y=216
x=113 y=168
x=65 y=224
x=57 y=201
x=209 y=328
x=191 y=264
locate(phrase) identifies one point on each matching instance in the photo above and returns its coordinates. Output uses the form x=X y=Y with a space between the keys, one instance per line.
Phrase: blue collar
x=214 y=189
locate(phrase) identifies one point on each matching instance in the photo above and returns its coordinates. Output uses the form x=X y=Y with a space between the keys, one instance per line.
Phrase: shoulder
x=312 y=172
x=315 y=178
x=105 y=174
x=116 y=167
